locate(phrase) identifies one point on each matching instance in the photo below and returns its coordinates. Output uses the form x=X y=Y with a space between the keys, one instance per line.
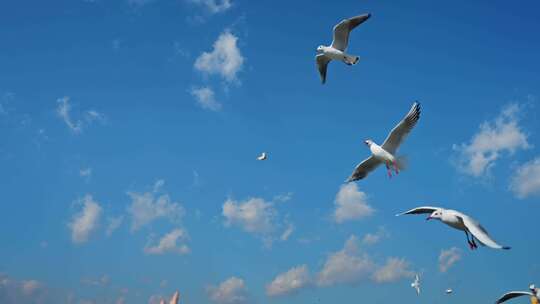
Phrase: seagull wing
x=513 y=294
x=362 y=170
x=322 y=65
x=420 y=210
x=417 y=289
x=402 y=129
x=342 y=30
x=480 y=233
x=174 y=299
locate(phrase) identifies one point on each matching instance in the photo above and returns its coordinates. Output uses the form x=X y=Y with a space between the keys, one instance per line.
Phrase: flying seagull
x=386 y=152
x=336 y=51
x=263 y=156
x=534 y=293
x=174 y=299
x=460 y=221
x=449 y=291
x=416 y=284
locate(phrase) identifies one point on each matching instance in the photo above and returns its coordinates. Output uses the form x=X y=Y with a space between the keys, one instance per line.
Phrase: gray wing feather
x=402 y=129
x=362 y=170
x=480 y=233
x=322 y=65
x=342 y=30
x=420 y=210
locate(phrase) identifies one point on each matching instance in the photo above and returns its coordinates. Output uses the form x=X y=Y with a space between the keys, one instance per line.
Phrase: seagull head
x=532 y=287
x=320 y=48
x=368 y=142
x=435 y=215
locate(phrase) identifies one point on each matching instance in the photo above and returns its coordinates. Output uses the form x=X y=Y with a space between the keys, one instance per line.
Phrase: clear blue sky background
x=464 y=61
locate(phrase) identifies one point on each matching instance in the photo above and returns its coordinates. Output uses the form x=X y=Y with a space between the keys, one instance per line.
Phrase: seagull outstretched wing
x=480 y=233
x=362 y=169
x=342 y=30
x=402 y=129
x=513 y=294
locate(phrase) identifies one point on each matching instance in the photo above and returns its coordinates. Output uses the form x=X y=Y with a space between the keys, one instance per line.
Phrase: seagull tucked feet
x=386 y=152
x=459 y=221
x=534 y=293
x=336 y=51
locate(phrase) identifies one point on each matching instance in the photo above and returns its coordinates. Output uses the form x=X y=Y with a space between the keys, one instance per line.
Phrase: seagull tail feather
x=402 y=162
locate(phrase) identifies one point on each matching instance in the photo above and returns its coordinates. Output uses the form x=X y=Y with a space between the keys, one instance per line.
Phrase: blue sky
x=130 y=130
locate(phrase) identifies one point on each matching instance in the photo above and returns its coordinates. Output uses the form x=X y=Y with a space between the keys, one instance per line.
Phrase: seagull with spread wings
x=457 y=220
x=386 y=152
x=416 y=284
x=534 y=293
x=336 y=51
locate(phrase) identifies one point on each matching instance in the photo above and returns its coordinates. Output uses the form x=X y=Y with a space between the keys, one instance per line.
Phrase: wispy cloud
x=374 y=238
x=289 y=282
x=230 y=291
x=172 y=242
x=504 y=134
x=113 y=224
x=525 y=181
x=205 y=98
x=21 y=291
x=351 y=204
x=448 y=258
x=225 y=59
x=214 y=6
x=64 y=111
x=86 y=221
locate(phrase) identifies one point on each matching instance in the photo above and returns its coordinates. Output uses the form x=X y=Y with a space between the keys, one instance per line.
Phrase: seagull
x=416 y=284
x=386 y=152
x=534 y=293
x=449 y=291
x=336 y=51
x=174 y=299
x=263 y=156
x=460 y=221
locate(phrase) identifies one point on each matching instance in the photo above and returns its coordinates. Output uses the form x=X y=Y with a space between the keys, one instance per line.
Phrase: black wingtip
x=507 y=248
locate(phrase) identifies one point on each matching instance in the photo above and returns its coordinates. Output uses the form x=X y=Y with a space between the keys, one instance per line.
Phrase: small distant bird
x=459 y=221
x=263 y=156
x=449 y=291
x=386 y=152
x=416 y=284
x=174 y=299
x=336 y=51
x=534 y=293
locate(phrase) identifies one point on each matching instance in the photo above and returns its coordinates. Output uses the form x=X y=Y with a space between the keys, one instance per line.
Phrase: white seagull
x=174 y=299
x=460 y=221
x=416 y=284
x=263 y=156
x=449 y=291
x=534 y=293
x=386 y=152
x=336 y=51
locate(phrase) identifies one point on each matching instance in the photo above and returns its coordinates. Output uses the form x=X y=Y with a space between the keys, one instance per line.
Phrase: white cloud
x=171 y=242
x=230 y=291
x=289 y=282
x=113 y=224
x=149 y=206
x=526 y=179
x=214 y=6
x=101 y=281
x=254 y=215
x=348 y=265
x=205 y=98
x=86 y=172
x=224 y=60
x=30 y=287
x=64 y=111
x=351 y=204
x=393 y=270
x=449 y=257
x=373 y=238
x=21 y=291
x=287 y=233
x=501 y=135
x=86 y=221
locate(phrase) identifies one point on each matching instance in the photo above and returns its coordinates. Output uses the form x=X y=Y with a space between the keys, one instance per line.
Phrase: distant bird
x=449 y=291
x=386 y=152
x=263 y=156
x=336 y=51
x=416 y=284
x=534 y=293
x=460 y=221
x=174 y=299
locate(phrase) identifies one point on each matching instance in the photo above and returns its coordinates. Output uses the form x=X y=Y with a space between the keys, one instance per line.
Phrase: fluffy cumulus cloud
x=205 y=98
x=289 y=282
x=113 y=224
x=254 y=215
x=64 y=111
x=448 y=258
x=172 y=242
x=375 y=237
x=21 y=291
x=526 y=179
x=503 y=135
x=225 y=59
x=348 y=265
x=214 y=6
x=351 y=204
x=86 y=221
x=230 y=291
x=150 y=206
x=394 y=270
